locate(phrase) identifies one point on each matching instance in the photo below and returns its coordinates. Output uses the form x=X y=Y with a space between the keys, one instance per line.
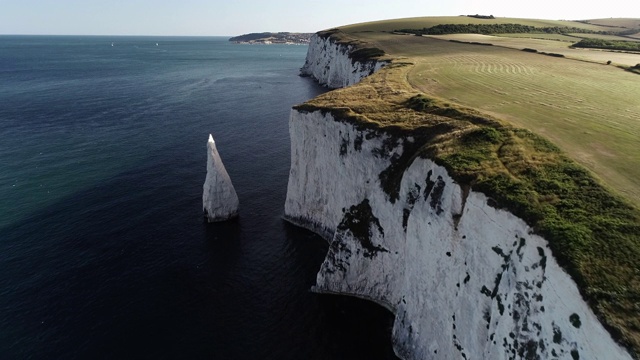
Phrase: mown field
x=522 y=127
x=558 y=37
x=574 y=37
x=590 y=110
x=421 y=22
x=604 y=37
x=629 y=23
x=548 y=46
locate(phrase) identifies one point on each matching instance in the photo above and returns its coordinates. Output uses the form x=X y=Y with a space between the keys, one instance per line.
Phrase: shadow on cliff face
x=344 y=327
x=363 y=326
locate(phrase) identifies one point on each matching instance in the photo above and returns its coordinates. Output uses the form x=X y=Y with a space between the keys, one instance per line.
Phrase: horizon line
x=146 y=35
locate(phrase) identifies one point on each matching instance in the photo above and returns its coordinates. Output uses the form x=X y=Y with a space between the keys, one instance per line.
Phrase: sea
x=104 y=251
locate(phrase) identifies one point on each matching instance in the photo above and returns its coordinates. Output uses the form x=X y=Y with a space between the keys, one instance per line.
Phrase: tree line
x=487 y=29
x=608 y=44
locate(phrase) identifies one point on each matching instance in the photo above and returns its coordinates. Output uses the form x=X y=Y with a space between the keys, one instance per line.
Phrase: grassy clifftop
x=515 y=126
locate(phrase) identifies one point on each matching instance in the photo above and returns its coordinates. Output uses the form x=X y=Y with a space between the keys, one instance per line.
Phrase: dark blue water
x=103 y=250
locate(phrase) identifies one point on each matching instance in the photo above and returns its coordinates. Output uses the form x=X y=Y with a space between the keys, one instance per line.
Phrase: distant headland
x=273 y=38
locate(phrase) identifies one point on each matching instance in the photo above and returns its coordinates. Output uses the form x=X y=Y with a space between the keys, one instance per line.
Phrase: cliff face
x=464 y=279
x=330 y=64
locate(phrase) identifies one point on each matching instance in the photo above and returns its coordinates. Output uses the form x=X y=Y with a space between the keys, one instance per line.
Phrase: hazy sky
x=234 y=17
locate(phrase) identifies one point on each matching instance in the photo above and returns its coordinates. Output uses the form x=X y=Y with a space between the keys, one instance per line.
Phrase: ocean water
x=104 y=253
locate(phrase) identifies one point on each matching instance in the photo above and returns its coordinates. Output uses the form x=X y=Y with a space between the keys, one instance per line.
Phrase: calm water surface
x=103 y=248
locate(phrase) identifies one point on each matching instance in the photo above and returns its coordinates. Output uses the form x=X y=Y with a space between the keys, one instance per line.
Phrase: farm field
x=557 y=37
x=421 y=22
x=604 y=37
x=573 y=37
x=630 y=23
x=590 y=110
x=549 y=46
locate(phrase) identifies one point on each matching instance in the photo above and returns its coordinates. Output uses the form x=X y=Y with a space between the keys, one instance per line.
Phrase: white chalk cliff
x=219 y=198
x=465 y=280
x=329 y=63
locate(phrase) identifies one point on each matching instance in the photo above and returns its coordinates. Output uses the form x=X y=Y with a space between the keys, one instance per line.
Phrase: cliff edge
x=339 y=64
x=464 y=276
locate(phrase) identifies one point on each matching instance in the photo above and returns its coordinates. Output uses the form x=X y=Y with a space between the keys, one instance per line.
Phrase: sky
x=235 y=17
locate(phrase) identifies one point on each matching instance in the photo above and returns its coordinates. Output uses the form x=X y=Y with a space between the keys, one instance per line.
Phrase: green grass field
x=630 y=23
x=421 y=22
x=604 y=37
x=487 y=114
x=549 y=46
x=572 y=37
x=558 y=37
x=590 y=110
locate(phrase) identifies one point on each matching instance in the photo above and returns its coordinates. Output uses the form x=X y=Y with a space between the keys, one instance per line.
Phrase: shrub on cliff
x=366 y=54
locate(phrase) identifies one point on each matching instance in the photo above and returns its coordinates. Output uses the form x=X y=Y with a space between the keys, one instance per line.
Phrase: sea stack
x=219 y=198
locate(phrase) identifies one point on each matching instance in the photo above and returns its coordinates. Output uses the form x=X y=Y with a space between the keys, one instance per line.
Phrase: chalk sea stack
x=219 y=198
